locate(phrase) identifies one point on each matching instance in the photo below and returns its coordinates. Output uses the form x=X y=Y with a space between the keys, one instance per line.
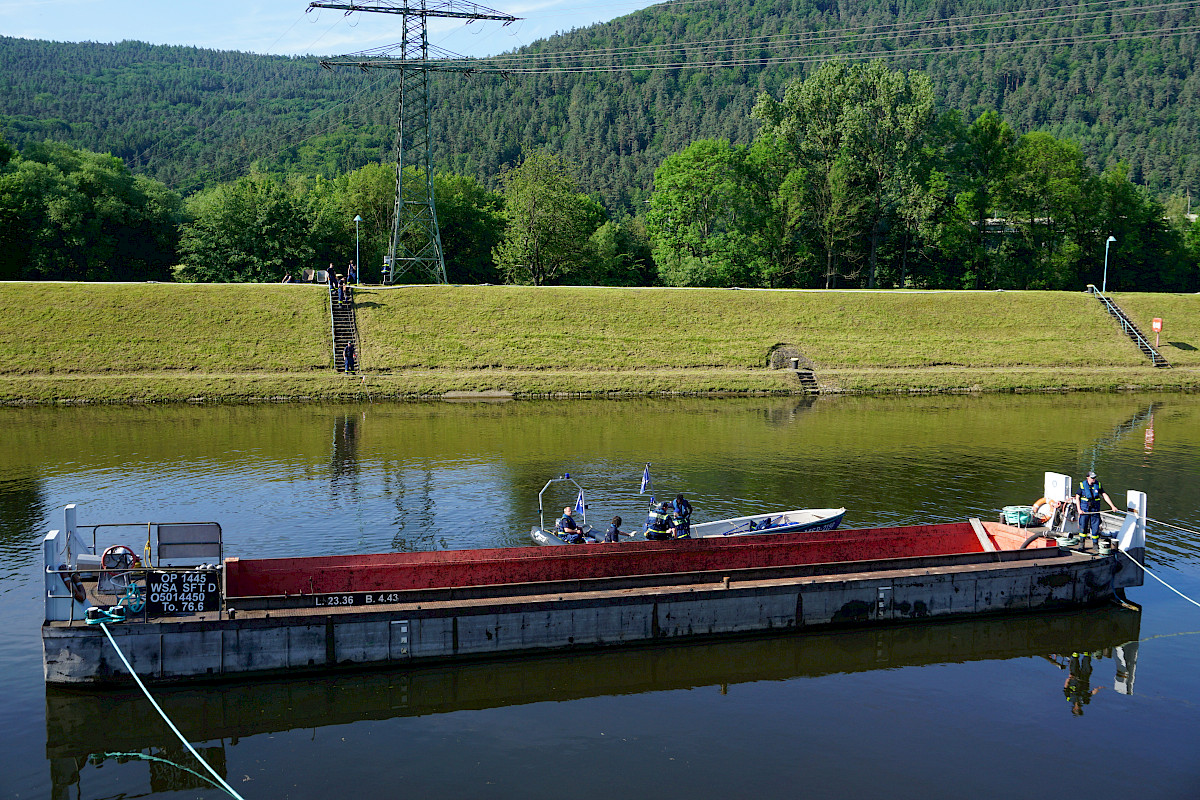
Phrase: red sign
x=1156 y=324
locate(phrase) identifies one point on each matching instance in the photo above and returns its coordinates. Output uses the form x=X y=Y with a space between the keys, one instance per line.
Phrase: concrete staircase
x=1132 y=331
x=344 y=326
x=808 y=381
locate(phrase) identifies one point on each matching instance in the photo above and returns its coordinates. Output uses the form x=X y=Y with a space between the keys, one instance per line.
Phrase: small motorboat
x=794 y=521
x=550 y=536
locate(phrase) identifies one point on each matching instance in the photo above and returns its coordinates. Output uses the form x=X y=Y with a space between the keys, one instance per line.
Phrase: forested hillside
x=1118 y=78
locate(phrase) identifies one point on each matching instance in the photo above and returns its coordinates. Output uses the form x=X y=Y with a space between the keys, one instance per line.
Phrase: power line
x=528 y=63
x=860 y=34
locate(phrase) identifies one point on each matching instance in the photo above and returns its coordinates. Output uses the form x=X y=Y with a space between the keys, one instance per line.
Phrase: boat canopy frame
x=582 y=506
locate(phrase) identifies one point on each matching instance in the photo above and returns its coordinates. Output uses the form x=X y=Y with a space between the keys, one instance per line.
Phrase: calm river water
x=926 y=711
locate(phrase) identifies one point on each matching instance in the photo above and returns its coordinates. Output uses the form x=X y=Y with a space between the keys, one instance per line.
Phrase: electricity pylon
x=416 y=244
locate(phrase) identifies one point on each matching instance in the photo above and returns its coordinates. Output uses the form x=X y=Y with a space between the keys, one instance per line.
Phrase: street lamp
x=357 y=260
x=1104 y=284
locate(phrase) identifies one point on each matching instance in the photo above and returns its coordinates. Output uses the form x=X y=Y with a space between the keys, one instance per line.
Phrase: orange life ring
x=1044 y=509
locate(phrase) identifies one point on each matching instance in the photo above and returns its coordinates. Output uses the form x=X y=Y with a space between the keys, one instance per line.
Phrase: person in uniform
x=681 y=518
x=1087 y=502
x=660 y=523
x=1078 y=686
x=613 y=534
x=570 y=530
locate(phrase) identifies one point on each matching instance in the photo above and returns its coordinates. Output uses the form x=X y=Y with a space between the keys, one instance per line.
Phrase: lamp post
x=1104 y=284
x=357 y=260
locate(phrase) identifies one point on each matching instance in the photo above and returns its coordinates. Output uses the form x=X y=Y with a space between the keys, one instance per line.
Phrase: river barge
x=260 y=617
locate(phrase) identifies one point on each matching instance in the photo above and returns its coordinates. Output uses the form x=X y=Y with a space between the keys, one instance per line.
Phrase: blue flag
x=579 y=501
x=646 y=481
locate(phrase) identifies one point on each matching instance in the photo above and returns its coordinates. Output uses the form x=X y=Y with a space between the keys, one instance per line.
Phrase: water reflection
x=327 y=479
x=416 y=511
x=80 y=729
x=22 y=509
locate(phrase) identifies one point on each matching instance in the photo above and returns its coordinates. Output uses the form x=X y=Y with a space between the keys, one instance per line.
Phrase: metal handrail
x=332 y=324
x=1130 y=329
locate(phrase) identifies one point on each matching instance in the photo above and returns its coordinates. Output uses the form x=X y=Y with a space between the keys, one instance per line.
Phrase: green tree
x=1149 y=254
x=74 y=215
x=252 y=230
x=548 y=223
x=472 y=225
x=851 y=130
x=1046 y=201
x=370 y=192
x=982 y=164
x=698 y=217
x=624 y=255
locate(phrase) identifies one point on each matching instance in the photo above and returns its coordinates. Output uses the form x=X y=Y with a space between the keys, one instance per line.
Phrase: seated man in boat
x=659 y=525
x=570 y=531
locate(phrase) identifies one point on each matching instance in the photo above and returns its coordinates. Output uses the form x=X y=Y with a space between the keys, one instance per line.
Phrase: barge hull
x=578 y=615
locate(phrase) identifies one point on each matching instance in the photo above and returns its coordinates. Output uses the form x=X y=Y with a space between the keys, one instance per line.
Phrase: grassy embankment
x=160 y=342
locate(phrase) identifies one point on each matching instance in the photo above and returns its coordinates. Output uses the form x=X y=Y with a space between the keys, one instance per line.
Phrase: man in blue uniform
x=570 y=530
x=660 y=523
x=1087 y=501
x=681 y=517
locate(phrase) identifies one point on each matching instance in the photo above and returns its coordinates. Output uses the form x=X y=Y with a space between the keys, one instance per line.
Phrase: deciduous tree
x=548 y=222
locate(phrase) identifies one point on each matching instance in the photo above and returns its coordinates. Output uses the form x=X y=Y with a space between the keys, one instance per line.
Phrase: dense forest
x=926 y=145
x=1119 y=79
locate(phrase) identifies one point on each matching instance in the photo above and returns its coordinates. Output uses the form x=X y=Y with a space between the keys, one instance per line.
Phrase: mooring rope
x=168 y=762
x=166 y=719
x=1169 y=525
x=1160 y=580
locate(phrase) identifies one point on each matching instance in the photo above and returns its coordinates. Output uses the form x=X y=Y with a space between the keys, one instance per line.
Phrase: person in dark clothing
x=659 y=527
x=348 y=356
x=614 y=531
x=1087 y=501
x=352 y=274
x=681 y=518
x=570 y=530
x=1078 y=686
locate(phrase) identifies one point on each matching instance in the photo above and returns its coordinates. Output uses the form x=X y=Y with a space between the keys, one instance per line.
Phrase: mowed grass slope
x=632 y=329
x=90 y=328
x=160 y=342
x=1179 y=341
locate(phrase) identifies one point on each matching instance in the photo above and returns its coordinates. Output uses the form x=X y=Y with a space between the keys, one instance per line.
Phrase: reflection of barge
x=79 y=724
x=321 y=613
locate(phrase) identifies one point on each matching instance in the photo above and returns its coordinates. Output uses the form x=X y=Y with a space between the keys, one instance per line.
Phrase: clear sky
x=282 y=26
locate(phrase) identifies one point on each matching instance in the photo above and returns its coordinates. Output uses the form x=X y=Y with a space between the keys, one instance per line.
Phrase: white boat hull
x=795 y=521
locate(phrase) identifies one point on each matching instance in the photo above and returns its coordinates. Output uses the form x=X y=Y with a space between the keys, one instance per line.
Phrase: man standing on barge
x=1087 y=501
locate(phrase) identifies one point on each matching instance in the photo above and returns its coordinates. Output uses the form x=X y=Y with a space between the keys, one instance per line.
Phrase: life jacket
x=1090 y=495
x=659 y=520
x=567 y=523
